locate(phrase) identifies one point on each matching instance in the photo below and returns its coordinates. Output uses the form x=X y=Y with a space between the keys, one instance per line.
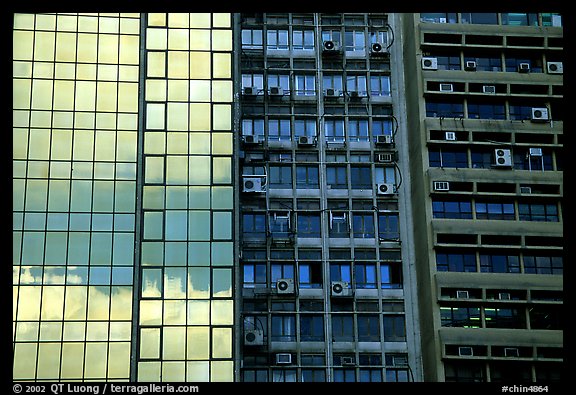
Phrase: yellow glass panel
x=149 y=343
x=200 y=90
x=24 y=21
x=222 y=40
x=48 y=361
x=222 y=197
x=98 y=303
x=84 y=120
x=199 y=170
x=85 y=96
x=174 y=312
x=150 y=312
x=222 y=170
x=177 y=142
x=221 y=342
x=155 y=115
x=106 y=121
x=128 y=73
x=199 y=197
x=22 y=45
x=178 y=64
x=40 y=119
x=75 y=303
x=85 y=71
x=95 y=360
x=173 y=371
x=14 y=304
x=64 y=71
x=177 y=90
x=74 y=331
x=63 y=95
x=67 y=22
x=156 y=19
x=63 y=119
x=178 y=20
x=42 y=94
x=97 y=331
x=72 y=360
x=27 y=331
x=177 y=116
x=222 y=312
x=220 y=19
x=200 y=65
x=155 y=90
x=198 y=312
x=108 y=72
x=222 y=116
x=21 y=89
x=199 y=40
x=45 y=22
x=46 y=70
x=129 y=49
x=153 y=225
x=126 y=146
x=29 y=303
x=66 y=47
x=156 y=38
x=128 y=121
x=221 y=371
x=178 y=39
x=109 y=25
x=52 y=303
x=44 y=43
x=105 y=146
x=200 y=116
x=173 y=343
x=156 y=64
x=108 y=48
x=222 y=91
x=200 y=20
x=22 y=69
x=87 y=24
x=119 y=360
x=149 y=371
x=129 y=26
x=24 y=366
x=87 y=47
x=198 y=283
x=222 y=143
x=200 y=143
x=107 y=98
x=197 y=371
x=198 y=343
x=176 y=170
x=38 y=169
x=121 y=303
x=154 y=143
x=127 y=97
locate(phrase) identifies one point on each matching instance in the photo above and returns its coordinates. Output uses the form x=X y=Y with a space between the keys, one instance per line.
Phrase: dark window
x=307 y=177
x=363 y=225
x=543 y=264
x=339 y=226
x=438 y=17
x=368 y=328
x=439 y=157
x=344 y=375
x=390 y=275
x=455 y=262
x=484 y=63
x=336 y=177
x=394 y=328
x=255 y=375
x=283 y=328
x=499 y=263
x=311 y=328
x=308 y=225
x=494 y=210
x=254 y=275
x=464 y=372
x=388 y=227
x=464 y=317
x=444 y=109
x=340 y=272
x=519 y=19
x=520 y=112
x=253 y=226
x=281 y=270
x=504 y=318
x=546 y=317
x=342 y=328
x=538 y=212
x=451 y=209
x=486 y=111
x=365 y=275
x=280 y=177
x=313 y=375
x=482 y=18
x=513 y=63
x=310 y=275
x=361 y=177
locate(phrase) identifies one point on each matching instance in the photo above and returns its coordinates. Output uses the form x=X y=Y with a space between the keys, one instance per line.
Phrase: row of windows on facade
x=374 y=19
x=502 y=371
x=494 y=109
x=494 y=61
x=339 y=375
x=493 y=18
x=536 y=317
x=462 y=209
x=499 y=262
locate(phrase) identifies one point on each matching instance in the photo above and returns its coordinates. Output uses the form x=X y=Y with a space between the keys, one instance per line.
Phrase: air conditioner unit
x=251 y=139
x=285 y=286
x=252 y=184
x=441 y=186
x=377 y=49
x=399 y=360
x=250 y=91
x=502 y=157
x=535 y=151
x=429 y=63
x=383 y=139
x=555 y=68
x=504 y=295
x=347 y=361
x=526 y=190
x=450 y=136
x=385 y=189
x=254 y=338
x=330 y=46
x=446 y=88
x=306 y=141
x=465 y=351
x=462 y=294
x=276 y=91
x=384 y=158
x=340 y=289
x=354 y=94
x=470 y=65
x=331 y=92
x=511 y=352
x=489 y=89
x=524 y=67
x=283 y=359
x=540 y=114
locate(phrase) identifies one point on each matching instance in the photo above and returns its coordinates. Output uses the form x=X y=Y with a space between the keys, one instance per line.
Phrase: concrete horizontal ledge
x=501 y=337
x=499 y=280
x=495 y=175
x=502 y=227
x=496 y=125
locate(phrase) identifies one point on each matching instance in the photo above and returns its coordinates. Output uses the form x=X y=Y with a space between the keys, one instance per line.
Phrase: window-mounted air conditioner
x=340 y=289
x=535 y=151
x=283 y=359
x=276 y=91
x=489 y=89
x=446 y=87
x=331 y=92
x=386 y=157
x=441 y=186
x=399 y=360
x=462 y=294
x=354 y=94
x=526 y=190
x=377 y=49
x=465 y=351
x=429 y=63
x=555 y=68
x=450 y=136
x=285 y=286
x=504 y=295
x=254 y=337
x=383 y=139
x=330 y=46
x=385 y=189
x=347 y=361
x=470 y=65
x=523 y=67
x=502 y=157
x=253 y=184
x=540 y=114
x=250 y=91
x=306 y=141
x=251 y=139
x=511 y=352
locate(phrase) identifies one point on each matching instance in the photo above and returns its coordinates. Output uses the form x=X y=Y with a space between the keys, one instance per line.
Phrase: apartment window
x=397 y=375
x=277 y=39
x=541 y=264
x=303 y=40
x=332 y=81
x=279 y=223
x=340 y=272
x=358 y=129
x=356 y=83
x=449 y=62
x=368 y=328
x=444 y=109
x=280 y=177
x=361 y=177
x=252 y=39
x=283 y=328
x=499 y=263
x=504 y=318
x=486 y=63
x=310 y=274
x=546 y=317
x=254 y=275
x=451 y=209
x=380 y=85
x=307 y=177
x=394 y=328
x=284 y=375
x=380 y=37
x=281 y=270
x=365 y=275
x=305 y=85
x=551 y=19
x=464 y=372
x=308 y=225
x=344 y=375
x=455 y=262
x=253 y=226
x=388 y=227
x=486 y=110
x=253 y=127
x=444 y=157
x=334 y=130
x=438 y=17
x=513 y=62
x=463 y=317
x=381 y=127
x=390 y=275
x=279 y=129
x=279 y=80
x=311 y=328
x=481 y=18
x=313 y=375
x=494 y=210
x=354 y=40
x=331 y=35
x=342 y=327
x=482 y=159
x=363 y=225
x=370 y=375
x=339 y=226
x=255 y=375
x=253 y=80
x=304 y=127
x=524 y=161
x=519 y=19
x=538 y=212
